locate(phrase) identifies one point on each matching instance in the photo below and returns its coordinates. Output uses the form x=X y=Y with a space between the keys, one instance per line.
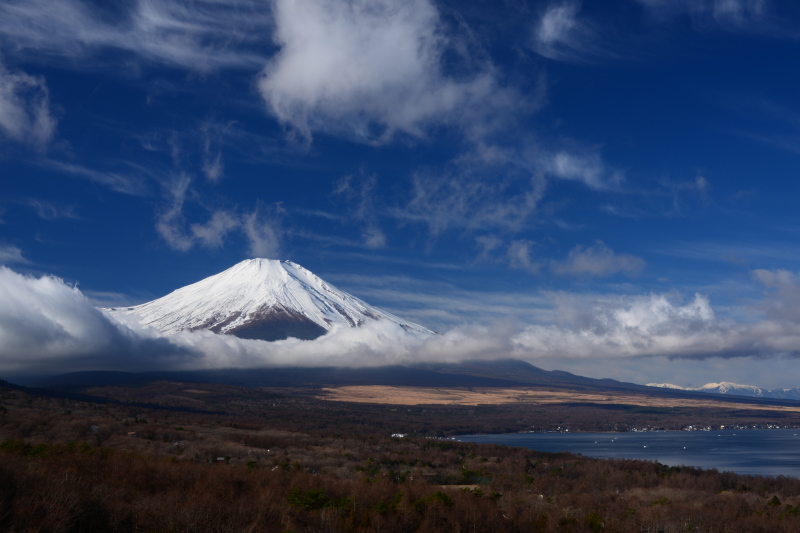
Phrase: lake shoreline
x=769 y=452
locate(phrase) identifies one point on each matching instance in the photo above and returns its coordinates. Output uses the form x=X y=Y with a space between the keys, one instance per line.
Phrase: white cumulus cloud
x=368 y=70
x=47 y=326
x=621 y=327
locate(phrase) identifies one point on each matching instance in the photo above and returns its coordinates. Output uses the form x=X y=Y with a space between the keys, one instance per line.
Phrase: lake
x=769 y=452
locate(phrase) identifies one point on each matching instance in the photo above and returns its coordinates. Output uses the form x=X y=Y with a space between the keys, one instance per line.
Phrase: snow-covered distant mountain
x=726 y=387
x=734 y=389
x=260 y=299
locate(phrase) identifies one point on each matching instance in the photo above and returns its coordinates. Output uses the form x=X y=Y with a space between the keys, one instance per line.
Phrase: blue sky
x=611 y=184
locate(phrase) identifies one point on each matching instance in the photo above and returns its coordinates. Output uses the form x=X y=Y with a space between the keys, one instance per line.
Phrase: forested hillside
x=76 y=465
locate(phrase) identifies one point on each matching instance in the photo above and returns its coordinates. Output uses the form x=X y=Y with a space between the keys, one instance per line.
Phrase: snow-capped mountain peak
x=726 y=387
x=260 y=298
x=735 y=389
x=667 y=386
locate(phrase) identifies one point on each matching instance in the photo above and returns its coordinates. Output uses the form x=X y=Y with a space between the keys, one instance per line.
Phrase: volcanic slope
x=260 y=299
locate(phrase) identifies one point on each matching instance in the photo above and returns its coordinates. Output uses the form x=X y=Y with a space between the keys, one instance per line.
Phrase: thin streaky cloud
x=51 y=211
x=319 y=214
x=400 y=258
x=468 y=201
x=597 y=260
x=521 y=255
x=202 y=35
x=115 y=299
x=751 y=16
x=561 y=34
x=327 y=240
x=587 y=168
x=26 y=114
x=260 y=226
x=459 y=307
x=12 y=255
x=743 y=253
x=358 y=192
x=133 y=184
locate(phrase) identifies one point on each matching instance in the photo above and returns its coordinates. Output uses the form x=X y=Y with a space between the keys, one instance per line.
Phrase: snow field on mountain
x=254 y=288
x=736 y=389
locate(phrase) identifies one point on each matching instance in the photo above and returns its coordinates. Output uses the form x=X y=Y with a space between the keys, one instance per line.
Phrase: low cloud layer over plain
x=47 y=326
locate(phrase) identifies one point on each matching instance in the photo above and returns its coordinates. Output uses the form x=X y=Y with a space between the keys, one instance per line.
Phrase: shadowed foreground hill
x=249 y=460
x=495 y=373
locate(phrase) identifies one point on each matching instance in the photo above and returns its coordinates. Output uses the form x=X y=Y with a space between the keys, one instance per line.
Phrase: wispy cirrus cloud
x=521 y=256
x=586 y=167
x=47 y=210
x=260 y=226
x=11 y=255
x=468 y=201
x=171 y=222
x=358 y=190
x=496 y=194
x=728 y=13
x=782 y=303
x=213 y=165
x=442 y=305
x=770 y=122
x=26 y=114
x=561 y=34
x=745 y=252
x=133 y=181
x=597 y=260
x=763 y=18
x=201 y=35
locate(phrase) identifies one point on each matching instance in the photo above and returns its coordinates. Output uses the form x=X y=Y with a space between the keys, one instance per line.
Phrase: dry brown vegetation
x=259 y=461
x=382 y=394
x=437 y=412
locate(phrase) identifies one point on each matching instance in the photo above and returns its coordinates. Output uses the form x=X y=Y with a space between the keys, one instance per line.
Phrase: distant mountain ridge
x=499 y=373
x=260 y=299
x=735 y=389
x=491 y=373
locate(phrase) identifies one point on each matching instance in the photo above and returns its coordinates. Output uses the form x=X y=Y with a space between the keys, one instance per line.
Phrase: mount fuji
x=260 y=299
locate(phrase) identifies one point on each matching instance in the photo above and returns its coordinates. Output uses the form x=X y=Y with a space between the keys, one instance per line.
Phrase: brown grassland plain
x=381 y=394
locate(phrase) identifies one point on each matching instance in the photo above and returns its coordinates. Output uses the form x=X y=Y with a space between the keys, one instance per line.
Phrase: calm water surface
x=769 y=452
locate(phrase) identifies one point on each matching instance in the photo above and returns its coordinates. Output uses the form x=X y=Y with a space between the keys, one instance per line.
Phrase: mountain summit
x=260 y=299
